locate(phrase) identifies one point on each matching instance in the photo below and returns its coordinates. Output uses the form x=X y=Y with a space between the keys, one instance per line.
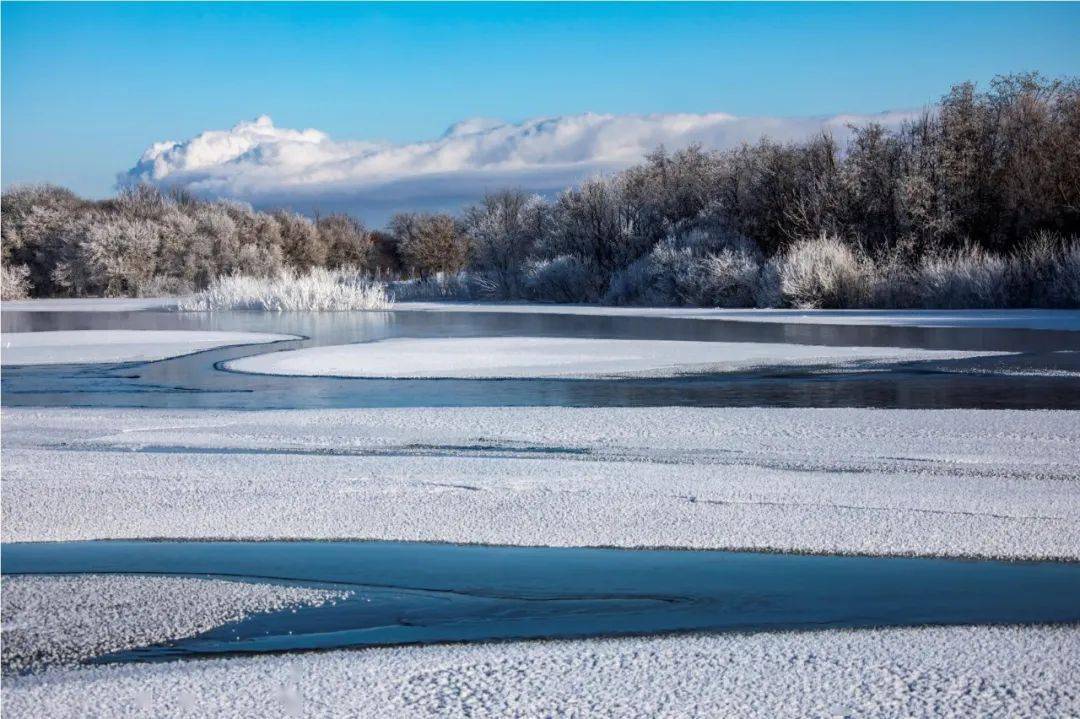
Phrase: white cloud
x=266 y=165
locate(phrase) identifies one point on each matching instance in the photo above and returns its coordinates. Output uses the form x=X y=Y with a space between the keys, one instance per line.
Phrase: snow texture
x=883 y=482
x=100 y=346
x=52 y=620
x=515 y=357
x=923 y=672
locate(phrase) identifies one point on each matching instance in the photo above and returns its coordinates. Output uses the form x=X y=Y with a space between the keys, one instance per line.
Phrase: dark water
x=423 y=593
x=197 y=380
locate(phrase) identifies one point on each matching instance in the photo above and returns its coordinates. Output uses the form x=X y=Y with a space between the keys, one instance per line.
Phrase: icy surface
x=928 y=482
x=49 y=620
x=91 y=304
x=1015 y=319
x=96 y=346
x=509 y=357
x=930 y=672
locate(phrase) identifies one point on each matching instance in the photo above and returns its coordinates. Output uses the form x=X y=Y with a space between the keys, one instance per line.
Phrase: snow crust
x=926 y=672
x=52 y=620
x=517 y=357
x=100 y=346
x=923 y=482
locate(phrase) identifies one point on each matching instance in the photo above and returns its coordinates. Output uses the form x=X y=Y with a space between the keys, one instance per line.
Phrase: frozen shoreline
x=91 y=304
x=888 y=482
x=106 y=346
x=1068 y=320
x=971 y=671
x=1006 y=319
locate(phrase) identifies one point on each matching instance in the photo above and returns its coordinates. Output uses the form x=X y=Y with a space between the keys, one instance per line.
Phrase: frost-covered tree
x=301 y=245
x=347 y=241
x=503 y=231
x=430 y=244
x=112 y=258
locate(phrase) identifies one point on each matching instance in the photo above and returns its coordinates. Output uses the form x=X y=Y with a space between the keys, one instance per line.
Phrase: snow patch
x=522 y=357
x=926 y=672
x=66 y=619
x=882 y=482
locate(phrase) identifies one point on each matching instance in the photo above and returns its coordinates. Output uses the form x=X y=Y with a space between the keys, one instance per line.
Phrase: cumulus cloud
x=267 y=165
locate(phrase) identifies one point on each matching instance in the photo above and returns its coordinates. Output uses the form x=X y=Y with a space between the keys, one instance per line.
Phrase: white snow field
x=923 y=672
x=519 y=357
x=99 y=346
x=988 y=483
x=51 y=620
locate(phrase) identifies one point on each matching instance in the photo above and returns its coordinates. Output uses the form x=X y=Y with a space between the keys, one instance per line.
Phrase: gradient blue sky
x=87 y=87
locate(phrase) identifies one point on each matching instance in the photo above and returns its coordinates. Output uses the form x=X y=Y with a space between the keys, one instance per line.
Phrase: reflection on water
x=422 y=593
x=196 y=381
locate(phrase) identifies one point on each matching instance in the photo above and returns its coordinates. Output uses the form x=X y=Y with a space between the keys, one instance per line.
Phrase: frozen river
x=418 y=593
x=870 y=481
x=1041 y=372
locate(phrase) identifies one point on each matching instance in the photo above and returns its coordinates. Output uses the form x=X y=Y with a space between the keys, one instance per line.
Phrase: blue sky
x=88 y=87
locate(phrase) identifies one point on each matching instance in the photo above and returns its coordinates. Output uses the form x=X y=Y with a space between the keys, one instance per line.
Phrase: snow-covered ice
x=923 y=672
x=510 y=357
x=992 y=483
x=99 y=346
x=51 y=620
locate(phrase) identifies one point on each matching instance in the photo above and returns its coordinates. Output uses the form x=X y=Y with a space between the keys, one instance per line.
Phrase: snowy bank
x=1037 y=319
x=100 y=346
x=1006 y=319
x=923 y=482
x=929 y=672
x=90 y=304
x=518 y=357
x=63 y=620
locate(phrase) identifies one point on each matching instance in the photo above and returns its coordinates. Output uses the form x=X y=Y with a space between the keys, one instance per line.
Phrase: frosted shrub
x=564 y=278
x=676 y=275
x=767 y=292
x=316 y=290
x=893 y=281
x=445 y=286
x=165 y=286
x=822 y=272
x=665 y=276
x=1067 y=278
x=14 y=282
x=633 y=285
x=728 y=278
x=963 y=278
x=1045 y=272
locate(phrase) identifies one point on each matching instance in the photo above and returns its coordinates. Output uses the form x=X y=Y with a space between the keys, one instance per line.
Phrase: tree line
x=974 y=203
